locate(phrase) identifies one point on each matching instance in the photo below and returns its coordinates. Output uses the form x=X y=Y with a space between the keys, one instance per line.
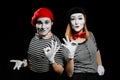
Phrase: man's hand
x=51 y=51
x=19 y=64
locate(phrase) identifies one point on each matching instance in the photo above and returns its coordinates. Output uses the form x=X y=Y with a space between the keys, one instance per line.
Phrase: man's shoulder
x=55 y=36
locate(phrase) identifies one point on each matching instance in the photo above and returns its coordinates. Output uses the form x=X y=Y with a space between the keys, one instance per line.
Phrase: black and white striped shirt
x=38 y=62
x=85 y=57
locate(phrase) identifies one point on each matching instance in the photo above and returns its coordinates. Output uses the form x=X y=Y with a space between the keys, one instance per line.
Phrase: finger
x=67 y=39
x=103 y=73
x=64 y=45
x=64 y=41
x=74 y=43
x=55 y=46
x=18 y=68
x=46 y=50
x=52 y=44
x=14 y=67
x=13 y=60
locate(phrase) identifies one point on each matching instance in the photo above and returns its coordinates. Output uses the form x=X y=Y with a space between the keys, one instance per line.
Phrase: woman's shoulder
x=90 y=33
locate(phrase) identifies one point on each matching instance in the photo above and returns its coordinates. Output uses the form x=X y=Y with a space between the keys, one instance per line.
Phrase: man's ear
x=52 y=23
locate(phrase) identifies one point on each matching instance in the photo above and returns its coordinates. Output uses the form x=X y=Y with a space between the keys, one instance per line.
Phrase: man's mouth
x=40 y=29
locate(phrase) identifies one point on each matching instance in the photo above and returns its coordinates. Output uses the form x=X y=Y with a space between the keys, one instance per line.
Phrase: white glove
x=51 y=51
x=71 y=46
x=19 y=64
x=100 y=70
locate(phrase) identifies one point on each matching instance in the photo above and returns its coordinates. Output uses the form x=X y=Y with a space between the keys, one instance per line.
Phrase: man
x=42 y=59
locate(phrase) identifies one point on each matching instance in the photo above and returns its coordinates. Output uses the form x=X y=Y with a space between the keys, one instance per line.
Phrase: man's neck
x=49 y=35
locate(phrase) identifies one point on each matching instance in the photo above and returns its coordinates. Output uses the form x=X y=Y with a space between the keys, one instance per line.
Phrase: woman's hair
x=76 y=10
x=69 y=30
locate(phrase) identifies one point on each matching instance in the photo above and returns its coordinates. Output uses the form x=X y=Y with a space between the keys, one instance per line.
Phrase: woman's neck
x=80 y=40
x=78 y=32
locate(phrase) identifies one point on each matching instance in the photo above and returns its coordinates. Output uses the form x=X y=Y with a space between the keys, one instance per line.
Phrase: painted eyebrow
x=47 y=21
x=78 y=16
x=43 y=21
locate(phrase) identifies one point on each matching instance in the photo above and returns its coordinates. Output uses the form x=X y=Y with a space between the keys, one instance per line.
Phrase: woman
x=86 y=63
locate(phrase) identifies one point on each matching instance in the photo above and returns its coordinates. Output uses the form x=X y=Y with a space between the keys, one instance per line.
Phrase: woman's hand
x=71 y=46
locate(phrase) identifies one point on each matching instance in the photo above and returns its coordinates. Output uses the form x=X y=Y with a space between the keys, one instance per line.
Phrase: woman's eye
x=80 y=18
x=72 y=19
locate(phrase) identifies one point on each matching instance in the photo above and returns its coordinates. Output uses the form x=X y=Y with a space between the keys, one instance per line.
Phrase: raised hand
x=71 y=46
x=51 y=51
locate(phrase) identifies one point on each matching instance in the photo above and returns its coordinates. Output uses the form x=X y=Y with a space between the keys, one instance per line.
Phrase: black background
x=17 y=30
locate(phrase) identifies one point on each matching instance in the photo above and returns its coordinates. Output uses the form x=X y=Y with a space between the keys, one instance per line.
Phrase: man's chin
x=41 y=34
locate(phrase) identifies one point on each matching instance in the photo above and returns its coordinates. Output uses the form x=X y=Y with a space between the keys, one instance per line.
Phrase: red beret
x=41 y=12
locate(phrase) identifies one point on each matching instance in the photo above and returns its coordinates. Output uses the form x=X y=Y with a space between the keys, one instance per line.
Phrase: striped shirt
x=38 y=62
x=85 y=56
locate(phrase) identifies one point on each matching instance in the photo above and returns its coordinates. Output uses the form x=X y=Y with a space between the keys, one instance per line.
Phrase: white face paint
x=77 y=21
x=43 y=25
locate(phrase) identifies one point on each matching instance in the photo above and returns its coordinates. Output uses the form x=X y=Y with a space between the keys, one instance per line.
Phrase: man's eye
x=38 y=22
x=46 y=22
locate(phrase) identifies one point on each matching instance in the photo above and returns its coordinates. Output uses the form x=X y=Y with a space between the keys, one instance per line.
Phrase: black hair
x=76 y=10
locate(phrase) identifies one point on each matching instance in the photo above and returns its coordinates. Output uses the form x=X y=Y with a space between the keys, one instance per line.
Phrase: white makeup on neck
x=43 y=26
x=77 y=21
